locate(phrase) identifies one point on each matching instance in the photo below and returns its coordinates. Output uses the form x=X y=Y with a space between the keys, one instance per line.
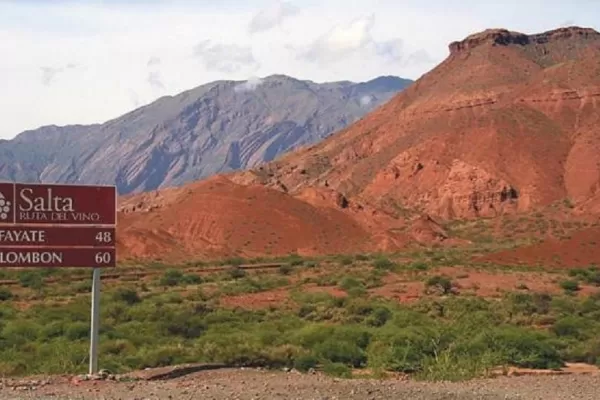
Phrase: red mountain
x=508 y=122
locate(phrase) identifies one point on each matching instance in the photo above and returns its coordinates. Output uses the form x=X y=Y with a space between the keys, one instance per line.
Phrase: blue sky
x=66 y=61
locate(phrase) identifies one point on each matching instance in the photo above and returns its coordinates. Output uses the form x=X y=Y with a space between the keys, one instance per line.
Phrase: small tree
x=440 y=283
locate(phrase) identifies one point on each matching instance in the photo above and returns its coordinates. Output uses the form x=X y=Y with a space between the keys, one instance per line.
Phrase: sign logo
x=5 y=208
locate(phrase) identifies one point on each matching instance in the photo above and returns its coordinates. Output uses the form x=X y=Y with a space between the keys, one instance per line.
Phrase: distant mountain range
x=217 y=127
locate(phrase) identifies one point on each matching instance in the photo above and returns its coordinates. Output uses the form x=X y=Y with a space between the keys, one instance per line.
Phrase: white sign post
x=95 y=323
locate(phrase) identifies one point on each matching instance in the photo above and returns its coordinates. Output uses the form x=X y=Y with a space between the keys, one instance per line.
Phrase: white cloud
x=352 y=39
x=50 y=73
x=225 y=58
x=420 y=57
x=135 y=99
x=153 y=61
x=341 y=41
x=249 y=85
x=366 y=100
x=272 y=16
x=155 y=80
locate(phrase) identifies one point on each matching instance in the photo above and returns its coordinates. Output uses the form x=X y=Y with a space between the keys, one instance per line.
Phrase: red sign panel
x=23 y=203
x=25 y=235
x=57 y=257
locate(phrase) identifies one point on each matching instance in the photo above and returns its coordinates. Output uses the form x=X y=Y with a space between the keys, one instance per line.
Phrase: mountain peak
x=195 y=134
x=505 y=37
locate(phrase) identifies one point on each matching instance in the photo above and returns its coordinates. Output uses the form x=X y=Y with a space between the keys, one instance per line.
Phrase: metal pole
x=95 y=323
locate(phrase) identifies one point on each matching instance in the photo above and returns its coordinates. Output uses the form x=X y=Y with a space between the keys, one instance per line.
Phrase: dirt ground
x=579 y=250
x=231 y=384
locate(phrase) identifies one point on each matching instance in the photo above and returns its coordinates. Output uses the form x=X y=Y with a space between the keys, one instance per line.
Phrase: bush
x=440 y=283
x=590 y=275
x=338 y=370
x=305 y=362
x=346 y=260
x=569 y=286
x=525 y=349
x=295 y=260
x=379 y=317
x=234 y=261
x=174 y=277
x=171 y=277
x=285 y=269
x=127 y=296
x=5 y=294
x=383 y=263
x=419 y=266
x=348 y=283
x=31 y=279
x=77 y=331
x=237 y=273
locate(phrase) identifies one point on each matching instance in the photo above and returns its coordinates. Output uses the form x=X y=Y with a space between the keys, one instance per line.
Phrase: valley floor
x=239 y=384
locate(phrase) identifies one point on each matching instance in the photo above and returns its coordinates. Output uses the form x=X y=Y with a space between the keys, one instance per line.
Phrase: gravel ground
x=255 y=384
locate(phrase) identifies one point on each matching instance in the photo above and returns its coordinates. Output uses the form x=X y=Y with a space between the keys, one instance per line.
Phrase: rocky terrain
x=218 y=127
x=506 y=124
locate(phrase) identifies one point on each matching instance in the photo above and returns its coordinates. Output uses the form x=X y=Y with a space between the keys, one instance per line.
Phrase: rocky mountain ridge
x=499 y=126
x=218 y=127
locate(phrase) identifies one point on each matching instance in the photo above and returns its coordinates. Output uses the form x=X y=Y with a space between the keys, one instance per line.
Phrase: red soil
x=582 y=249
x=272 y=298
x=216 y=217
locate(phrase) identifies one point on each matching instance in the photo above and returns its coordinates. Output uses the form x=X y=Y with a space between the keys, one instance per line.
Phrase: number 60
x=102 y=258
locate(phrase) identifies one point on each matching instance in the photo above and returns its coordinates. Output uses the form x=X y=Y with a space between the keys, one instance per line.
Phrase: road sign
x=22 y=203
x=27 y=235
x=53 y=226
x=57 y=257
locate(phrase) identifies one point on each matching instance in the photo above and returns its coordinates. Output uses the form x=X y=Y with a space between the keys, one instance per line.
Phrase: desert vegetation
x=432 y=314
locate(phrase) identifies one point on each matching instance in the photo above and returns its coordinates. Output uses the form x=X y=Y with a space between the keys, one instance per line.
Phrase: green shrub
x=77 y=331
x=570 y=286
x=234 y=261
x=295 y=260
x=338 y=370
x=522 y=348
x=5 y=294
x=171 y=277
x=590 y=275
x=126 y=295
x=305 y=362
x=440 y=283
x=383 y=263
x=345 y=260
x=348 y=283
x=190 y=279
x=419 y=266
x=285 y=269
x=379 y=317
x=237 y=273
x=31 y=279
x=571 y=326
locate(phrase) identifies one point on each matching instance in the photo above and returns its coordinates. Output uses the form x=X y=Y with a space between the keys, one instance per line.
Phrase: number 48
x=104 y=237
